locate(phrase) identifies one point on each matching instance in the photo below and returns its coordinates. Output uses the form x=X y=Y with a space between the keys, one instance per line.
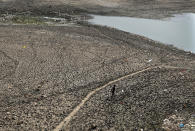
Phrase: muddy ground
x=136 y=8
x=46 y=72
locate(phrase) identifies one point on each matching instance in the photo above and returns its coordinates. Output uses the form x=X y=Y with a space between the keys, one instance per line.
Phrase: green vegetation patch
x=27 y=20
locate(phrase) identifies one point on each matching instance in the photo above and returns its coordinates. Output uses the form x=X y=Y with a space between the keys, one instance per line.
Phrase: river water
x=178 y=31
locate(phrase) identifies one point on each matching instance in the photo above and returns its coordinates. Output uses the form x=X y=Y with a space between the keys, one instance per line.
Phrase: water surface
x=178 y=31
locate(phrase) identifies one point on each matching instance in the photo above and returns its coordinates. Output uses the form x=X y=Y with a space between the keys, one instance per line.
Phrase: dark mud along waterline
x=178 y=31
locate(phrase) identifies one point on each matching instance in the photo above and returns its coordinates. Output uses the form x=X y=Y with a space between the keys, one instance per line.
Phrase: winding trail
x=67 y=119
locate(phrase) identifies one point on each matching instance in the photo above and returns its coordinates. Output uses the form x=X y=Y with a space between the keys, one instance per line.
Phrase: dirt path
x=67 y=119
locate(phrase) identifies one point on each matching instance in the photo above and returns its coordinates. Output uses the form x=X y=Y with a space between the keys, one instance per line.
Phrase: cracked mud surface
x=60 y=65
x=46 y=71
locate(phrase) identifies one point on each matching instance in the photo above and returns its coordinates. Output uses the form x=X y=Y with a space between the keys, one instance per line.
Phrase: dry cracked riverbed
x=46 y=72
x=59 y=78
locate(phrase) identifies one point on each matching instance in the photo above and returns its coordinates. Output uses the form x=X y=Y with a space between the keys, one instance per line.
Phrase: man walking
x=113 y=90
